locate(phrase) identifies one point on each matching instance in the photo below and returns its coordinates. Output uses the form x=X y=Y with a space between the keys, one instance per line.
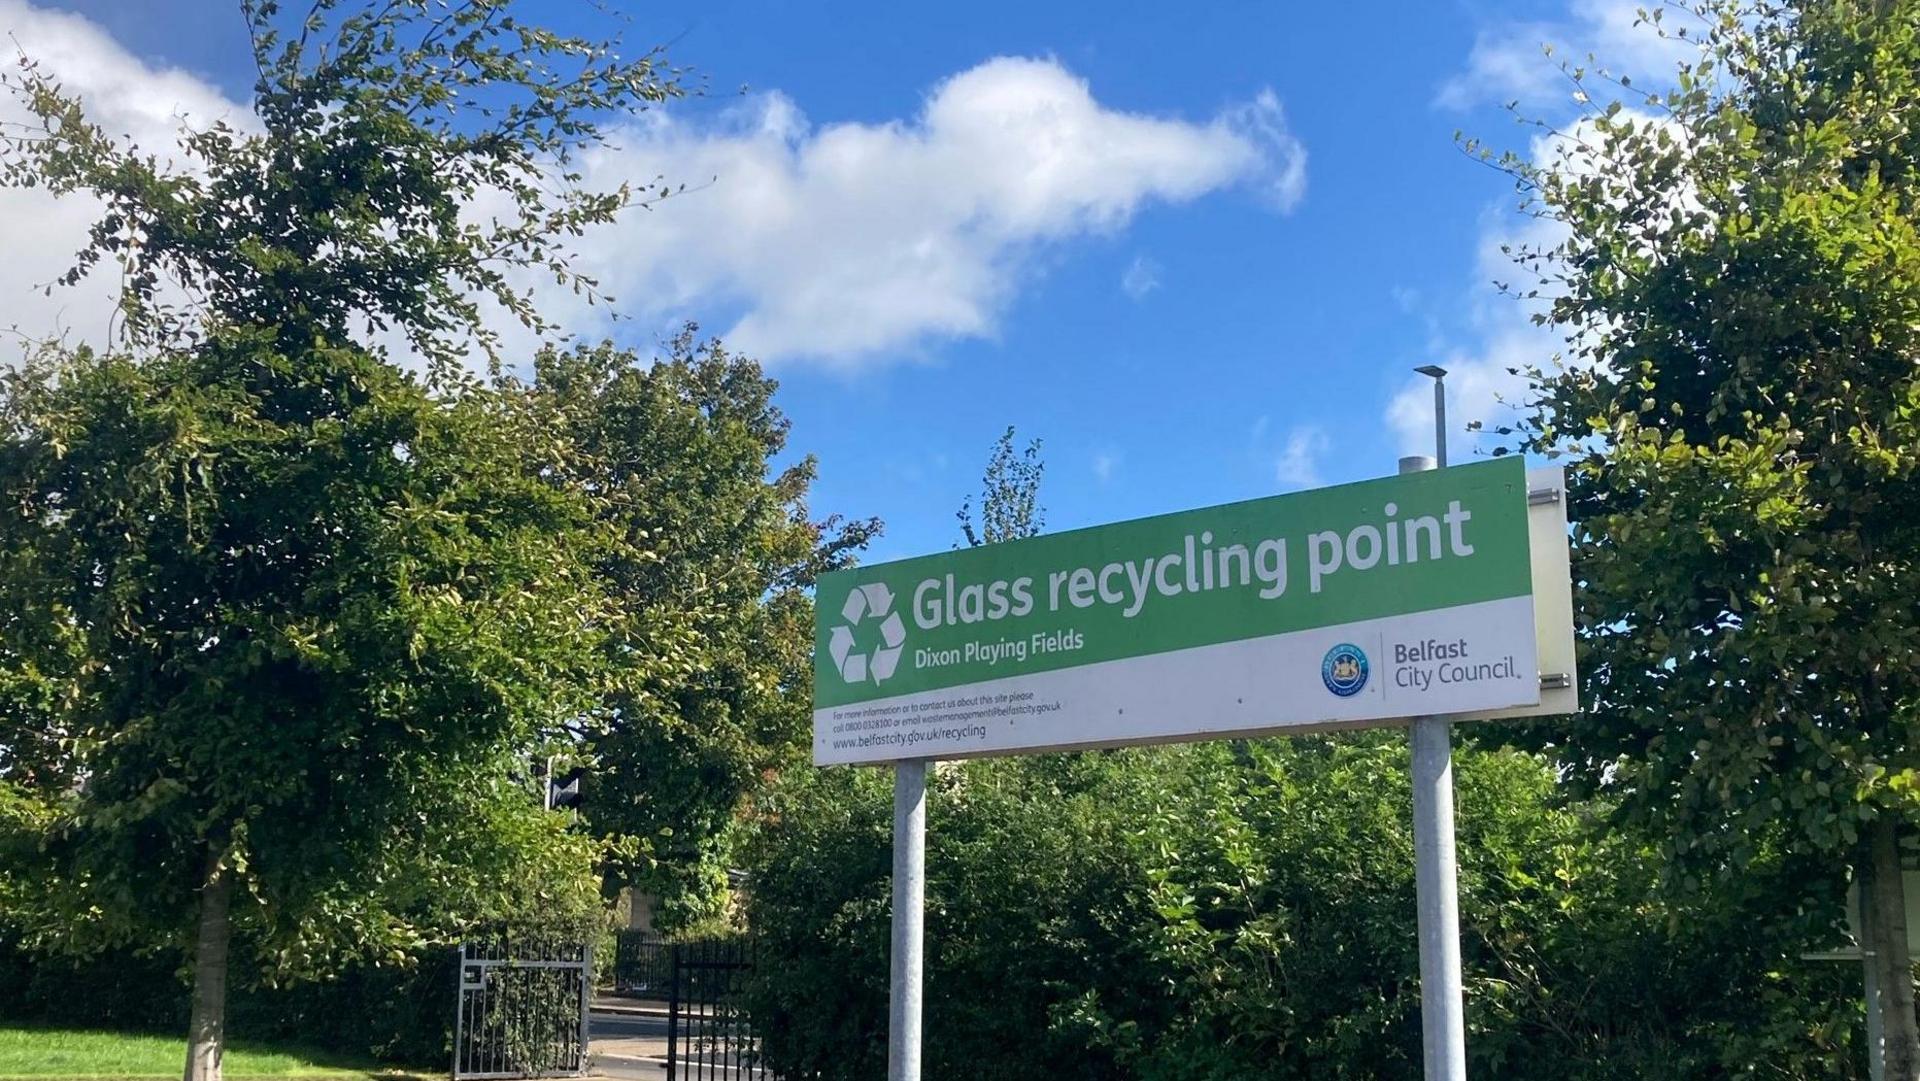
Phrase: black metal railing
x=642 y=965
x=709 y=1035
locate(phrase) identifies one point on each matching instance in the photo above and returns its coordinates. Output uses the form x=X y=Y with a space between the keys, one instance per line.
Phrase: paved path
x=627 y=1041
x=630 y=1044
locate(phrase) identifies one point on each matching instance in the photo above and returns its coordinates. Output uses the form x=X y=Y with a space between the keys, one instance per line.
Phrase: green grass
x=46 y=1054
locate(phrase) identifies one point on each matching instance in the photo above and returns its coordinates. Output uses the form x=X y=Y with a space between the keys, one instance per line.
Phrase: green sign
x=1385 y=598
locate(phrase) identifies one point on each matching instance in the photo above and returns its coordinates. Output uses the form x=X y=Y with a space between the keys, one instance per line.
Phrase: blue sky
x=1194 y=248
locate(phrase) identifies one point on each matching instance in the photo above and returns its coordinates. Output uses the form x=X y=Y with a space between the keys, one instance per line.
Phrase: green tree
x=1740 y=410
x=285 y=622
x=1009 y=495
x=716 y=559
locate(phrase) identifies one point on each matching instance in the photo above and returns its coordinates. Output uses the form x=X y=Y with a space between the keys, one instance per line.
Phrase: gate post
x=673 y=1009
x=459 y=1007
x=586 y=1005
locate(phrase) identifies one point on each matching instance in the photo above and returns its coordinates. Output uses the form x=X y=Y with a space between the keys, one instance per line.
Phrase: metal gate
x=522 y=1010
x=709 y=1036
x=642 y=966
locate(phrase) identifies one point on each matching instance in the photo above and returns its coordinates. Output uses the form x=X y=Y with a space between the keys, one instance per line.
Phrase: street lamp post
x=1443 y=1027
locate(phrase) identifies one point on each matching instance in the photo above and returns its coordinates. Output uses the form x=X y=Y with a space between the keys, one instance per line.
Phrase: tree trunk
x=207 y=1030
x=1885 y=892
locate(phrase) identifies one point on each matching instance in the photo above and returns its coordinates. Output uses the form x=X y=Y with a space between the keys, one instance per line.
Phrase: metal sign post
x=909 y=918
x=1443 y=1029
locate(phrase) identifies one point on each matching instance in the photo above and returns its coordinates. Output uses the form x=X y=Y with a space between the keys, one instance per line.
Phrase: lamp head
x=1434 y=370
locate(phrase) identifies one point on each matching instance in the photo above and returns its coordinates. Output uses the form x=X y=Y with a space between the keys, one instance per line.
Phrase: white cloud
x=852 y=244
x=847 y=244
x=1104 y=463
x=128 y=98
x=1293 y=460
x=1284 y=181
x=1142 y=276
x=1509 y=63
x=1299 y=461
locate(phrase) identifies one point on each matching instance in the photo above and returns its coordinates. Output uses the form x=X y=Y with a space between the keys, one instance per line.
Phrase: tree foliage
x=1009 y=495
x=1740 y=413
x=715 y=559
x=283 y=635
x=404 y=160
x=287 y=625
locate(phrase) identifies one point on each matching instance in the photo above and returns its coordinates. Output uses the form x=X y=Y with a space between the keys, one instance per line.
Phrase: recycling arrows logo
x=872 y=601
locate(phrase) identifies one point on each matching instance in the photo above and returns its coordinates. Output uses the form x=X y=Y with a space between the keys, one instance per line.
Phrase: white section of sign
x=1257 y=685
x=1552 y=600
